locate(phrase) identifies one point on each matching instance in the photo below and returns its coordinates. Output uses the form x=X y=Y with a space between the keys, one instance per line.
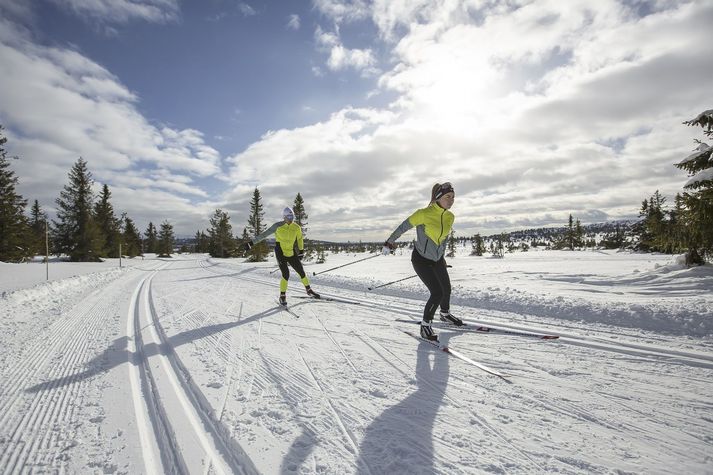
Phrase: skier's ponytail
x=434 y=190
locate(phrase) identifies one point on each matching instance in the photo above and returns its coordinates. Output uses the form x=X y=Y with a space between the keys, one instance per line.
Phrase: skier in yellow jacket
x=433 y=225
x=289 y=249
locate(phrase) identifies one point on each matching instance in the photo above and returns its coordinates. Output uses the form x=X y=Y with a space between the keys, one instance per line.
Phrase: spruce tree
x=451 y=244
x=298 y=207
x=651 y=229
x=300 y=214
x=108 y=223
x=130 y=236
x=256 y=226
x=478 y=246
x=14 y=226
x=75 y=233
x=151 y=239
x=197 y=245
x=38 y=227
x=166 y=240
x=578 y=234
x=243 y=239
x=697 y=214
x=222 y=243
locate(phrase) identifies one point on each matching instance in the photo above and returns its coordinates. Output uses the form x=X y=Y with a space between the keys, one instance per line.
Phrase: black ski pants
x=293 y=260
x=435 y=275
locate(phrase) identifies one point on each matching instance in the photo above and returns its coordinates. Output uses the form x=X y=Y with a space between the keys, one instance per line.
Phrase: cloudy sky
x=533 y=109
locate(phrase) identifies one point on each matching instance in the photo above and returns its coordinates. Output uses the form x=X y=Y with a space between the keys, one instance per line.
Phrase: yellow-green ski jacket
x=433 y=224
x=285 y=236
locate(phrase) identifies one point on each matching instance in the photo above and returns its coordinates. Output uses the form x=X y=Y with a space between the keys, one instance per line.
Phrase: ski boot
x=312 y=293
x=427 y=332
x=283 y=299
x=449 y=318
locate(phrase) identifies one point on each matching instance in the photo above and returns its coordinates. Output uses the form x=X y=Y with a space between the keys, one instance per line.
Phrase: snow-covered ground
x=188 y=365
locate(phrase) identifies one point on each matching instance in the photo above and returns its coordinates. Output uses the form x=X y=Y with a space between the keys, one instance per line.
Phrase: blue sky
x=534 y=109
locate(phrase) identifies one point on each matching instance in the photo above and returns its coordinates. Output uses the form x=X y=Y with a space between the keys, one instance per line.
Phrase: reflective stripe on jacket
x=285 y=236
x=433 y=225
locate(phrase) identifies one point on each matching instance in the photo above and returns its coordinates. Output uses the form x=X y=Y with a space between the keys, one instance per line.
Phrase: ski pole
x=344 y=265
x=389 y=283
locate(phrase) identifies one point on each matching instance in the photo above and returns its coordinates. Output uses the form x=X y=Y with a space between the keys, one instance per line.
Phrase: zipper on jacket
x=440 y=235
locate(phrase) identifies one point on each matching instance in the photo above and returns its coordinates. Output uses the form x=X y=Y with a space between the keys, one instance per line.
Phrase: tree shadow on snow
x=118 y=353
x=400 y=440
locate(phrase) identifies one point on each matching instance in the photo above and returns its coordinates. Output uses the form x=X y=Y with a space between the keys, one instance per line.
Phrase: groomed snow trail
x=190 y=366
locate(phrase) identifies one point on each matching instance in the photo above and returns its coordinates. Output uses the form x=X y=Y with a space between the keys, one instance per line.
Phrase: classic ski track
x=223 y=452
x=55 y=355
x=157 y=441
x=262 y=378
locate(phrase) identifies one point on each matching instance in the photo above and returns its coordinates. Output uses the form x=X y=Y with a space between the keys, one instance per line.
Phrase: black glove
x=300 y=254
x=390 y=245
x=246 y=246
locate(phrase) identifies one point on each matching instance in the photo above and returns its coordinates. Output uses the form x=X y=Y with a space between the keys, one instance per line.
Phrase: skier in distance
x=433 y=225
x=289 y=249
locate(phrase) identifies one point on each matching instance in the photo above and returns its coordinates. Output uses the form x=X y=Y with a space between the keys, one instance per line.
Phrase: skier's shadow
x=400 y=440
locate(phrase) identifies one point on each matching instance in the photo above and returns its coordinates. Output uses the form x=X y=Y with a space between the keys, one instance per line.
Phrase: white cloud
x=293 y=23
x=64 y=106
x=341 y=11
x=341 y=58
x=534 y=110
x=246 y=9
x=123 y=11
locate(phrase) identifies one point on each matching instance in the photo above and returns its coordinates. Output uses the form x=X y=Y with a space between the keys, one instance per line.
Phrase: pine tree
x=451 y=244
x=651 y=228
x=245 y=237
x=131 y=239
x=300 y=214
x=569 y=234
x=321 y=258
x=75 y=233
x=578 y=234
x=151 y=239
x=222 y=243
x=202 y=243
x=256 y=226
x=478 y=246
x=166 y=240
x=697 y=213
x=615 y=239
x=38 y=227
x=108 y=223
x=498 y=247
x=14 y=226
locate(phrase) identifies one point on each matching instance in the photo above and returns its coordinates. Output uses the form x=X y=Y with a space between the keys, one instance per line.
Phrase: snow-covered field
x=188 y=365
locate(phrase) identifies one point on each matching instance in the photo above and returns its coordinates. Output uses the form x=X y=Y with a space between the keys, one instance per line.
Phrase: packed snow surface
x=188 y=365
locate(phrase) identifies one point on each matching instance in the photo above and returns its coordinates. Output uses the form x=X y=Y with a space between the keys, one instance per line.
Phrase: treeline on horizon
x=87 y=228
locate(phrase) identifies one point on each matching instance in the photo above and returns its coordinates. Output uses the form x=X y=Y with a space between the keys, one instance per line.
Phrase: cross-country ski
x=458 y=355
x=467 y=327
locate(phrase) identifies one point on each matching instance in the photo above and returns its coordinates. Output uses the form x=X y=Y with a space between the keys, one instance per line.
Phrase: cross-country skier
x=433 y=225
x=289 y=249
